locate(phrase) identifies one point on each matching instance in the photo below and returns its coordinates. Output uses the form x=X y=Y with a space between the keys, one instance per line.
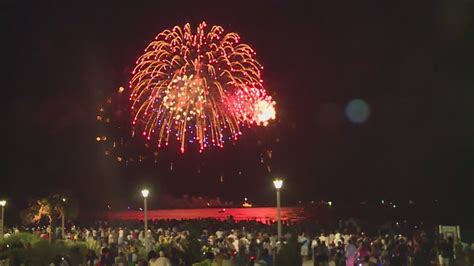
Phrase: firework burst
x=198 y=87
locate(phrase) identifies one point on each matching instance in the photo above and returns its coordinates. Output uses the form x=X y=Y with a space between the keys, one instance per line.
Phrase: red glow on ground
x=263 y=214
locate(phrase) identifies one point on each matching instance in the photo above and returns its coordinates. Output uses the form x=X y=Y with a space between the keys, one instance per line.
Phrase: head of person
x=210 y=256
x=151 y=255
x=105 y=251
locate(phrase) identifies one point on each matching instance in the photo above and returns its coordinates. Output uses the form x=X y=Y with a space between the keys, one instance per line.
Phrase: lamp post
x=278 y=183
x=2 y=203
x=63 y=218
x=145 y=193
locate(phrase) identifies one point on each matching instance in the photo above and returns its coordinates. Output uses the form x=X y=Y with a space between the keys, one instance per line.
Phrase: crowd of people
x=214 y=242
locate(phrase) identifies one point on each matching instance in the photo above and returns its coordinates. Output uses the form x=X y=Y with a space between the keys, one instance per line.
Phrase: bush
x=77 y=252
x=29 y=249
x=94 y=245
x=22 y=238
x=14 y=247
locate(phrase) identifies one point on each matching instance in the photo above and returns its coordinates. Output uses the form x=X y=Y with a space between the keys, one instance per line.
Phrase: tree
x=52 y=207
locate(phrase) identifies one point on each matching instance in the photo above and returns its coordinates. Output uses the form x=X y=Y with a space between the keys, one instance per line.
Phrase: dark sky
x=411 y=61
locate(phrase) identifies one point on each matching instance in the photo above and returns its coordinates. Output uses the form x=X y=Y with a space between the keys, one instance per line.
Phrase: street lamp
x=63 y=218
x=145 y=193
x=2 y=203
x=278 y=183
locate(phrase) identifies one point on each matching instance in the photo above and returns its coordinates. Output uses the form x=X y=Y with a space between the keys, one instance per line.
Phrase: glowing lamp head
x=145 y=193
x=63 y=199
x=278 y=183
x=3 y=203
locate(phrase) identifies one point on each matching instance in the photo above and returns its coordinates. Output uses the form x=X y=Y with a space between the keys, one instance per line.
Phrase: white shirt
x=236 y=245
x=162 y=261
x=323 y=238
x=346 y=238
x=331 y=239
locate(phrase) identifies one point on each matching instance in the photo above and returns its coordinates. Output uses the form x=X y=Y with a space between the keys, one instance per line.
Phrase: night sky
x=411 y=61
